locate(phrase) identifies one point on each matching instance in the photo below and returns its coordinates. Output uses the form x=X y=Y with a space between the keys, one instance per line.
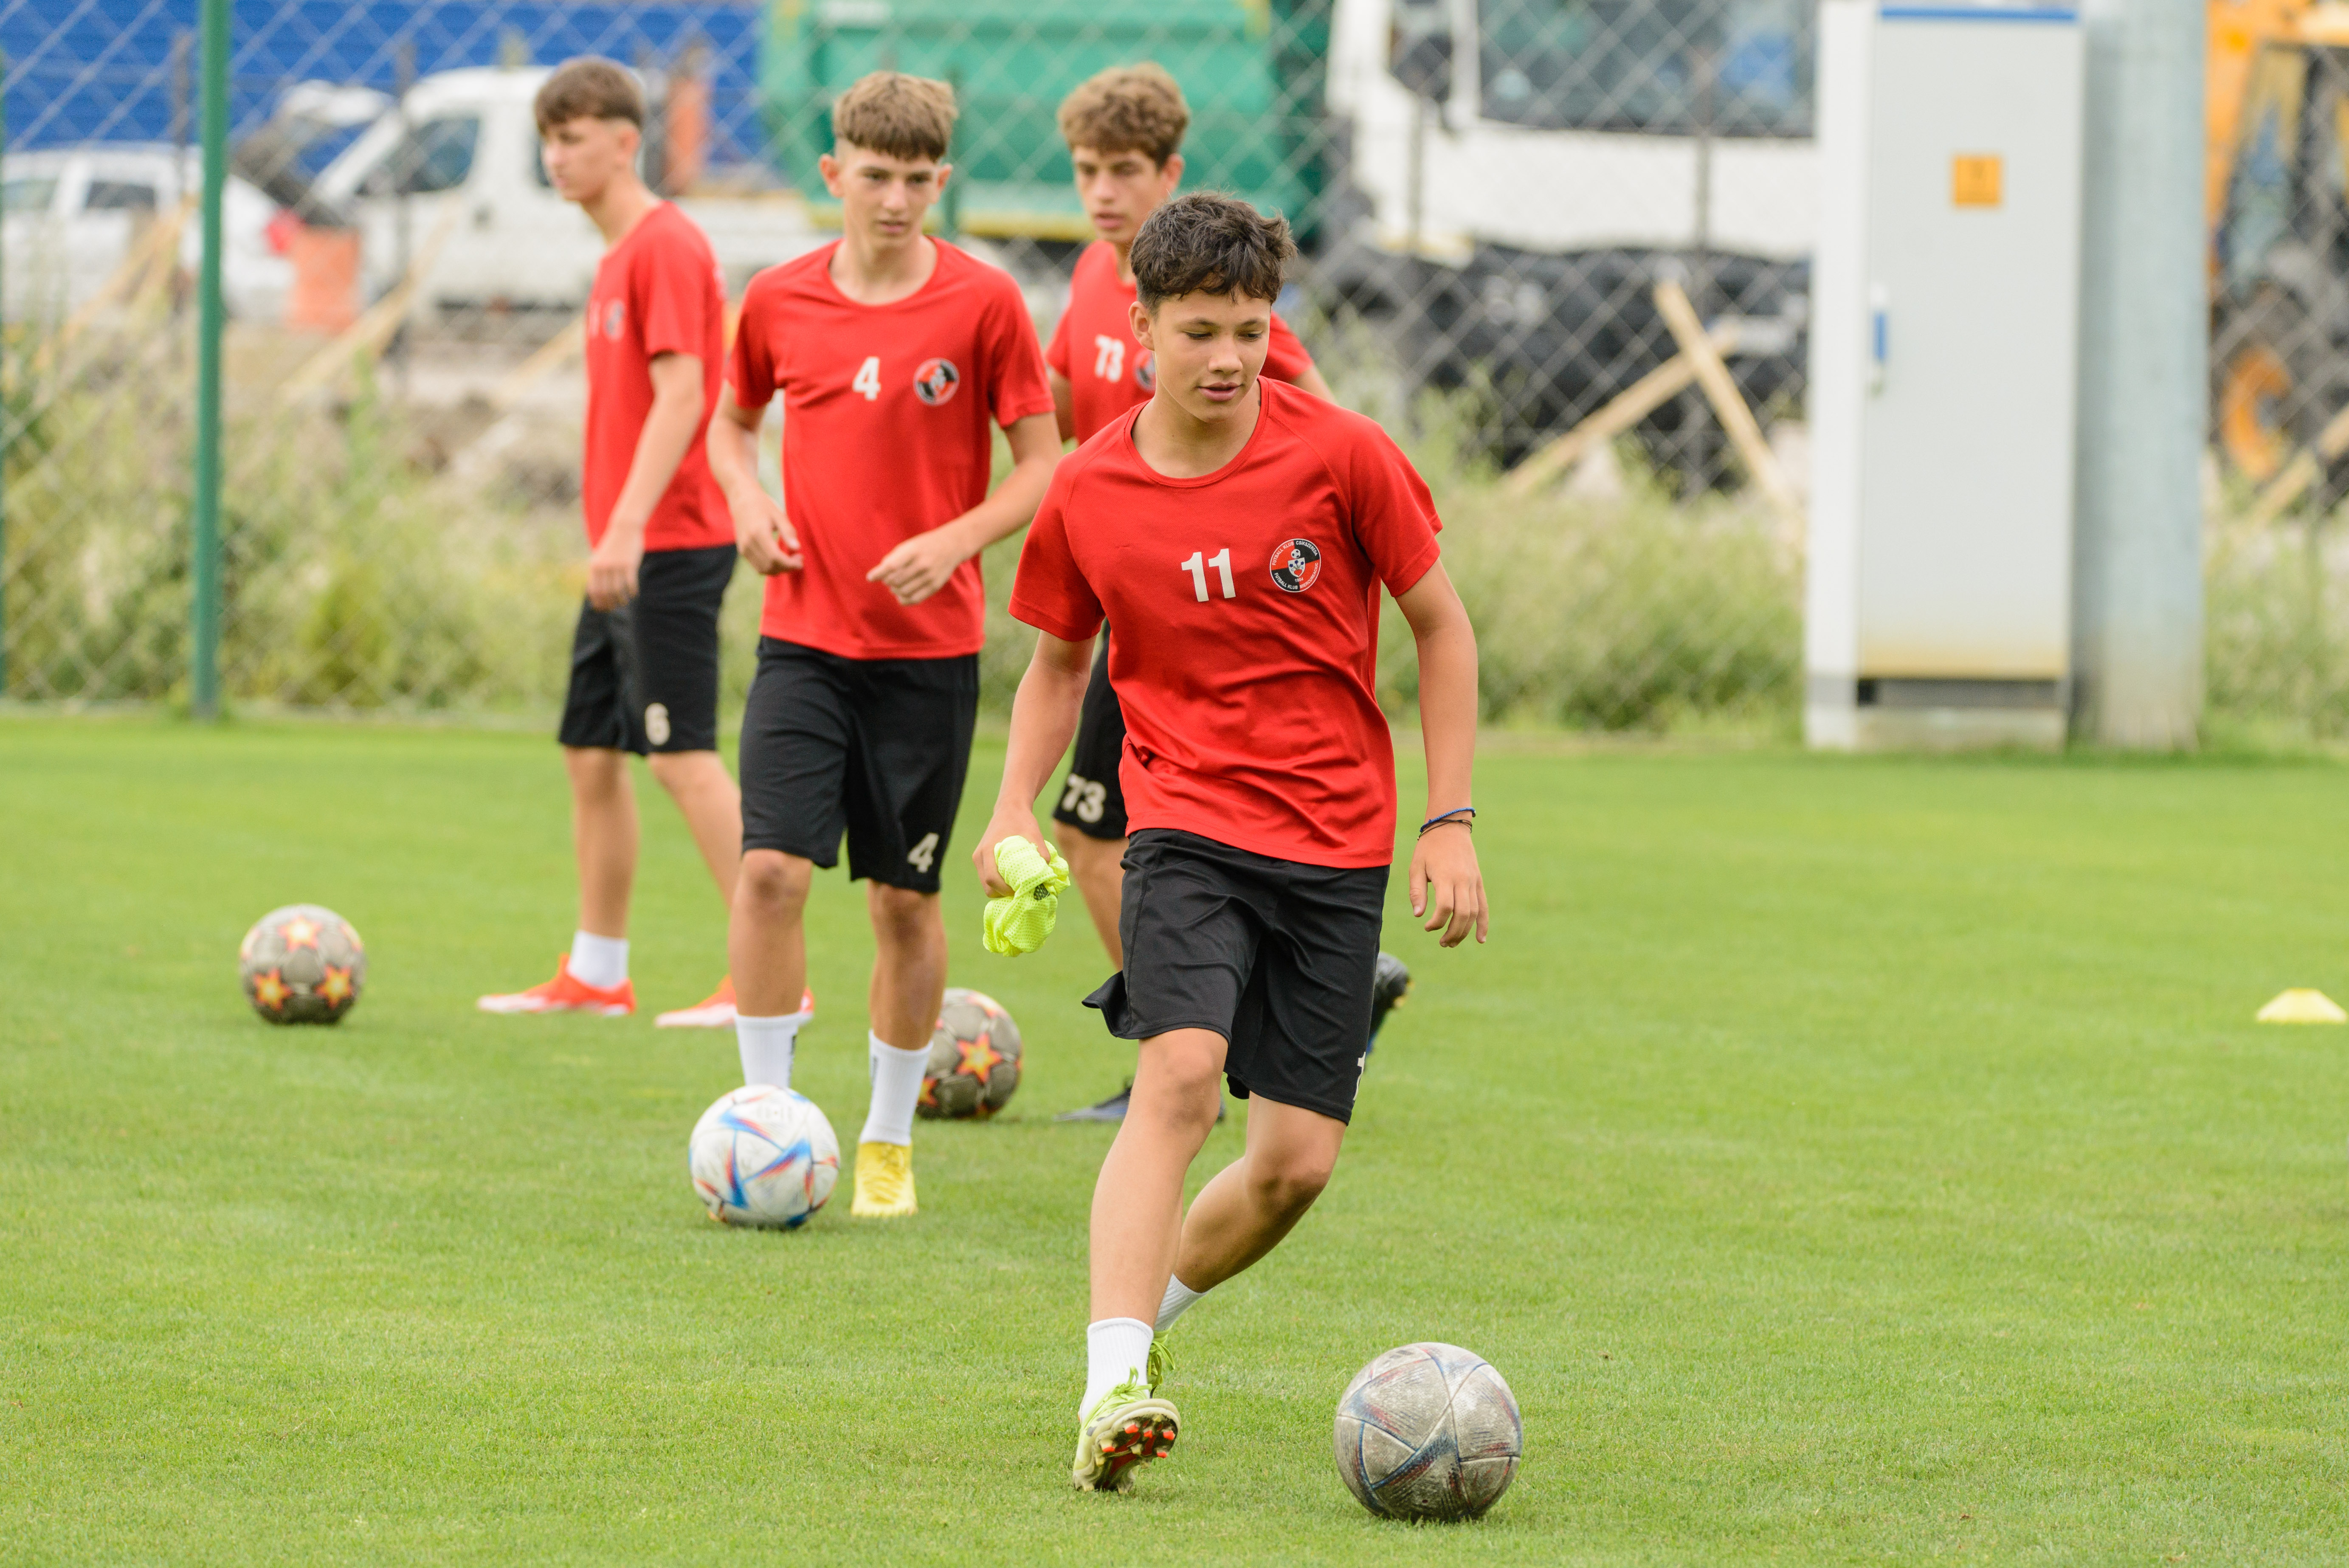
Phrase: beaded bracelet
x=1456 y=815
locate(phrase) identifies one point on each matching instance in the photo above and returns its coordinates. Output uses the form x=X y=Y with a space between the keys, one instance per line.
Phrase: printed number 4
x=920 y=856
x=868 y=381
x=1197 y=567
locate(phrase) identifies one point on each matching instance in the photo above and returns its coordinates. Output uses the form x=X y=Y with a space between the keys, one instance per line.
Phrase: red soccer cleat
x=564 y=994
x=716 y=1010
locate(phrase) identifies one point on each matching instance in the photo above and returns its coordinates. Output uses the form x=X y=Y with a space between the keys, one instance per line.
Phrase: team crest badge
x=1146 y=371
x=1296 y=565
x=936 y=381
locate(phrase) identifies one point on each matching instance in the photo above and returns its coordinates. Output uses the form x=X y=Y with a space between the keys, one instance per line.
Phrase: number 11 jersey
x=1246 y=608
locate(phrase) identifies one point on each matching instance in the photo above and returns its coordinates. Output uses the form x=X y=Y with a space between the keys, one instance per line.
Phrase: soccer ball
x=1428 y=1431
x=974 y=1058
x=763 y=1156
x=302 y=964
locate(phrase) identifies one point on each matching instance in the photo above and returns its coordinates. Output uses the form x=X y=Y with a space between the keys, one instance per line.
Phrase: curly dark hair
x=1208 y=243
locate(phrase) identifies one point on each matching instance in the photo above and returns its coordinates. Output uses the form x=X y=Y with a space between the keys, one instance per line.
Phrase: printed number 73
x=1197 y=567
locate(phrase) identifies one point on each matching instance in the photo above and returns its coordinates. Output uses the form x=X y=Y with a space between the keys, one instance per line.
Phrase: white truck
x=1525 y=169
x=452 y=175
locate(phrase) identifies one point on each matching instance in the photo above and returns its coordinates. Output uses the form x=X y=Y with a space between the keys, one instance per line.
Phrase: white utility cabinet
x=1945 y=347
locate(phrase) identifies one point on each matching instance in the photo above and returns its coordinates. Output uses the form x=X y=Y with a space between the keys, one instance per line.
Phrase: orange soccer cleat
x=716 y=1011
x=565 y=994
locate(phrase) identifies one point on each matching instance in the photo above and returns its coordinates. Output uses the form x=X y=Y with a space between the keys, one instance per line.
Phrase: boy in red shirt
x=1124 y=129
x=896 y=355
x=1237 y=532
x=644 y=660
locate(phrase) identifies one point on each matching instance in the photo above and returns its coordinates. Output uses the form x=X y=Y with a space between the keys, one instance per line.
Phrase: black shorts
x=1092 y=801
x=876 y=748
x=643 y=677
x=1274 y=955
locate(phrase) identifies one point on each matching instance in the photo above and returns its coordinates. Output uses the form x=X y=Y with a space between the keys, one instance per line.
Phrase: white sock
x=766 y=1047
x=1117 y=1350
x=897 y=1085
x=599 y=961
x=1177 y=1301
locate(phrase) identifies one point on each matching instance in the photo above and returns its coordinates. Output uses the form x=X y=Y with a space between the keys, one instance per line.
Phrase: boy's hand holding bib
x=1020 y=921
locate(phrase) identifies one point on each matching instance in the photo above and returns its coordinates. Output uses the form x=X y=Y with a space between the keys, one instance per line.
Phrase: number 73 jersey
x=1247 y=609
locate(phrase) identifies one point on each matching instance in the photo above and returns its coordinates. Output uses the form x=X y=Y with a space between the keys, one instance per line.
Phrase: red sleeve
x=1393 y=514
x=1057 y=354
x=673 y=278
x=1285 y=358
x=751 y=370
x=1050 y=592
x=1015 y=386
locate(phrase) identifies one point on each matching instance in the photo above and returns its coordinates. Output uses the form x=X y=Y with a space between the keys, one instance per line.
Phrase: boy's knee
x=773 y=881
x=676 y=769
x=1289 y=1180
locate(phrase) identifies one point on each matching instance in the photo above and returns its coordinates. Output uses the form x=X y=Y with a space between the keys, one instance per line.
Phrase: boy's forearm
x=661 y=448
x=1010 y=509
x=1043 y=721
x=733 y=454
x=1447 y=715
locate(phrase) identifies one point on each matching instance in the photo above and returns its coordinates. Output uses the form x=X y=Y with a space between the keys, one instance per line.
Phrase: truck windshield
x=29 y=193
x=1735 y=67
x=436 y=155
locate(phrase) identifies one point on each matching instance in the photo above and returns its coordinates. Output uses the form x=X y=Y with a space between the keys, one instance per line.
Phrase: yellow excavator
x=2276 y=189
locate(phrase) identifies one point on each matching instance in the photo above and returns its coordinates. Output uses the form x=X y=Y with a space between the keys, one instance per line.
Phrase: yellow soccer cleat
x=1129 y=1425
x=885 y=1182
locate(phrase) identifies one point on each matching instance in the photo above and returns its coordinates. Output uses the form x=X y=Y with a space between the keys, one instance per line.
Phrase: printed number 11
x=1197 y=567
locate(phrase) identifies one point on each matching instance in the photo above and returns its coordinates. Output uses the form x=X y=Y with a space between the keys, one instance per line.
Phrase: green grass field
x=1846 y=1161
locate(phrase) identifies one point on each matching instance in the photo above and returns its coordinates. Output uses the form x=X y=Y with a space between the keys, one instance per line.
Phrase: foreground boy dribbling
x=893 y=354
x=1237 y=532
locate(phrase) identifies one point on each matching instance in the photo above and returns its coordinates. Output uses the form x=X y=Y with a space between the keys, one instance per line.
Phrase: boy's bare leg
x=1137 y=1220
x=1250 y=1204
x=705 y=792
x=1098 y=868
x=909 y=964
x=603 y=836
x=766 y=940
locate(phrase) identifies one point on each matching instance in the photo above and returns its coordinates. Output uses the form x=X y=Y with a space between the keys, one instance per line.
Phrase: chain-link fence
x=1525 y=224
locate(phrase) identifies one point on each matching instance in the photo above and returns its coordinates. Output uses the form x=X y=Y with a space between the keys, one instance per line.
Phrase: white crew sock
x=897 y=1085
x=599 y=961
x=1175 y=1303
x=766 y=1047
x=1117 y=1349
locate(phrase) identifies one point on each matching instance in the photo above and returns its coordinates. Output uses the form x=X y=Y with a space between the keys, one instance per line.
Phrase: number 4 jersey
x=1247 y=609
x=887 y=414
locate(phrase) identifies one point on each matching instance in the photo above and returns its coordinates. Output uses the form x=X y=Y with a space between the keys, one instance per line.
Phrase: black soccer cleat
x=1113 y=1107
x=1390 y=984
x=1110 y=1109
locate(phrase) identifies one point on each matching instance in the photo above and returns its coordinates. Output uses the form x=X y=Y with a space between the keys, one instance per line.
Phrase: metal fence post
x=2144 y=324
x=205 y=622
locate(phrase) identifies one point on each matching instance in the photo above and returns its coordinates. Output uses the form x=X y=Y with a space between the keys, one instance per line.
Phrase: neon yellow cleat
x=1126 y=1426
x=885 y=1182
x=1019 y=921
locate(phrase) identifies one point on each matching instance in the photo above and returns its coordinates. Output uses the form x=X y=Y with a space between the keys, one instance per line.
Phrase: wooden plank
x=1728 y=403
x=1622 y=411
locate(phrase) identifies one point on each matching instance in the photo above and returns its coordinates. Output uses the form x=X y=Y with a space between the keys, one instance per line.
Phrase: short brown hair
x=589 y=87
x=897 y=115
x=1127 y=108
x=1208 y=243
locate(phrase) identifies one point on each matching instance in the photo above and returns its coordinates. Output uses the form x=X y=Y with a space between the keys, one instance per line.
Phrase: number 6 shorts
x=876 y=748
x=1274 y=955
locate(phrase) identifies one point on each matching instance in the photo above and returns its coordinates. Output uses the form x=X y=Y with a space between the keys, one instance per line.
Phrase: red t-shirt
x=1108 y=371
x=885 y=411
x=657 y=292
x=1247 y=609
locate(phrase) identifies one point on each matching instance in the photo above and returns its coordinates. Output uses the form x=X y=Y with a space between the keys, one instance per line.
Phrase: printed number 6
x=920 y=856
